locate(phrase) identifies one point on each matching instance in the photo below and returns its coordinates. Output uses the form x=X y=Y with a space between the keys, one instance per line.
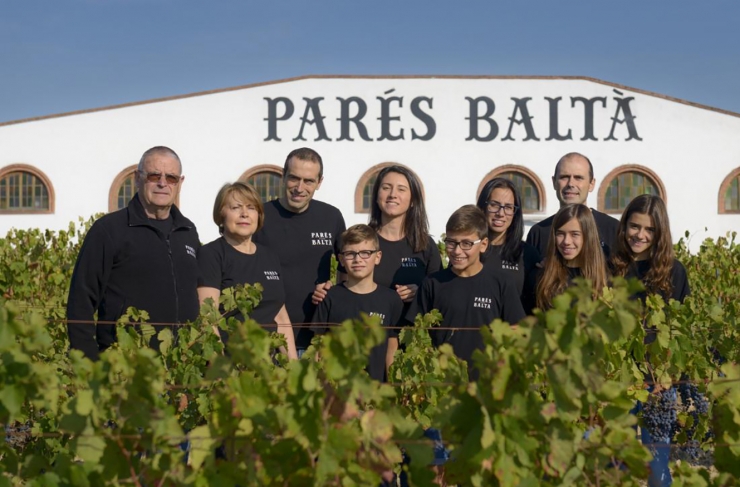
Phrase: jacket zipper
x=174 y=280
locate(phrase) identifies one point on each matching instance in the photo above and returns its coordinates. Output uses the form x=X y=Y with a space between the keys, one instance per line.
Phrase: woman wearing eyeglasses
x=235 y=259
x=507 y=255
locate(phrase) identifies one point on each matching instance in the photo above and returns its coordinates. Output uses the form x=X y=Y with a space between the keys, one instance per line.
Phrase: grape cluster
x=690 y=395
x=695 y=404
x=17 y=434
x=659 y=416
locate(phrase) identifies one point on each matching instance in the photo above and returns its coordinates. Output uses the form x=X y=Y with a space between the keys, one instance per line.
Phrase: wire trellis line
x=246 y=438
x=729 y=327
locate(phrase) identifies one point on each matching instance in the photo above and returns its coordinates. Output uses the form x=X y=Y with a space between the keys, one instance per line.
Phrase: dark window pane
x=267 y=184
x=732 y=195
x=526 y=188
x=367 y=192
x=626 y=187
x=126 y=191
x=23 y=191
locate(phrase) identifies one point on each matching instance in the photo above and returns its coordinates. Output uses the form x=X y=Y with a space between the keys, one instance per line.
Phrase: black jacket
x=125 y=261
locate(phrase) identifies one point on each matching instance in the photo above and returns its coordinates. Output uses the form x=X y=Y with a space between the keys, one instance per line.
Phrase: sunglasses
x=155 y=177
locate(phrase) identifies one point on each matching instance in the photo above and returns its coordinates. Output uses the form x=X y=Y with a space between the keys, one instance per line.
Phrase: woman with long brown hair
x=573 y=251
x=398 y=215
x=644 y=250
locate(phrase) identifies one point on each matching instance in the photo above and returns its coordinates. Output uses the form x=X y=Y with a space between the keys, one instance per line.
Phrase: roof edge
x=331 y=76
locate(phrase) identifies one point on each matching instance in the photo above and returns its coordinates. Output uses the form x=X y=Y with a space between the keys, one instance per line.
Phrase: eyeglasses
x=450 y=244
x=364 y=254
x=155 y=177
x=495 y=207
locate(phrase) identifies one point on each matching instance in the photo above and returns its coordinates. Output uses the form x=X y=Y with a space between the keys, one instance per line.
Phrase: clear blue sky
x=64 y=55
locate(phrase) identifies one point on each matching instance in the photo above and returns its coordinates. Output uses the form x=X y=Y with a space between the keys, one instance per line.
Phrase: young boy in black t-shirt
x=466 y=296
x=359 y=255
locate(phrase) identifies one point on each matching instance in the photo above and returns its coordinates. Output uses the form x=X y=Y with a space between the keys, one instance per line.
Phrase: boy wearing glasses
x=466 y=296
x=359 y=255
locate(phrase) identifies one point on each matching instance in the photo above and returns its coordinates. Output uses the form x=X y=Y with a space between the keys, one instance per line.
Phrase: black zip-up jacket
x=125 y=261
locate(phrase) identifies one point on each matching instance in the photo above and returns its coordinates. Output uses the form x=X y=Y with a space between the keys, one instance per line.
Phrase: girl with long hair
x=644 y=250
x=507 y=255
x=573 y=251
x=235 y=259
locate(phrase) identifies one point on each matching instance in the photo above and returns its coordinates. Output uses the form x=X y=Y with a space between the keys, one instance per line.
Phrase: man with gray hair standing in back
x=142 y=256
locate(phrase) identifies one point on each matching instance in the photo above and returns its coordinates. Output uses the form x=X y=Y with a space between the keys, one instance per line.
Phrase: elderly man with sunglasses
x=142 y=256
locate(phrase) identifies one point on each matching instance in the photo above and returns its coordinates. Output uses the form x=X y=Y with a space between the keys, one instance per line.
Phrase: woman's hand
x=285 y=328
x=320 y=292
x=407 y=293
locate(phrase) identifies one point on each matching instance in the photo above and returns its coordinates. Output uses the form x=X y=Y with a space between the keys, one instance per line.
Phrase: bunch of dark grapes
x=659 y=416
x=695 y=404
x=690 y=396
x=17 y=434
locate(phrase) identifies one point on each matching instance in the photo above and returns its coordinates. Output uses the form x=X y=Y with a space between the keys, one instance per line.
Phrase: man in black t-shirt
x=573 y=181
x=304 y=233
x=466 y=295
x=360 y=294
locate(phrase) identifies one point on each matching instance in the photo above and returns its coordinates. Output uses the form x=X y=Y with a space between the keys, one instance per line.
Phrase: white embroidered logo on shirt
x=505 y=264
x=321 y=238
x=190 y=250
x=409 y=262
x=482 y=303
x=272 y=276
x=380 y=315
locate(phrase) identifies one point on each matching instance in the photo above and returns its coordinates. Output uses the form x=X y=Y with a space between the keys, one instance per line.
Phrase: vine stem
x=127 y=455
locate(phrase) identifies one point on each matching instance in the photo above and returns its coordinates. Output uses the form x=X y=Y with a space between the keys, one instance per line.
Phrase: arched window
x=527 y=184
x=729 y=193
x=266 y=179
x=25 y=189
x=364 y=188
x=626 y=182
x=122 y=189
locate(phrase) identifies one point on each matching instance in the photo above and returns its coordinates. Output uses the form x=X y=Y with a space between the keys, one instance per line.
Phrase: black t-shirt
x=518 y=271
x=679 y=280
x=401 y=265
x=221 y=266
x=341 y=304
x=466 y=302
x=529 y=300
x=539 y=234
x=304 y=243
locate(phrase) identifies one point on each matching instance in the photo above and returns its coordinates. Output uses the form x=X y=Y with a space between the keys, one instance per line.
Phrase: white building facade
x=455 y=133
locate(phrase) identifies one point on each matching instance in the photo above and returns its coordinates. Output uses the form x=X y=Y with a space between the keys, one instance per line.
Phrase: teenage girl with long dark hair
x=573 y=251
x=644 y=250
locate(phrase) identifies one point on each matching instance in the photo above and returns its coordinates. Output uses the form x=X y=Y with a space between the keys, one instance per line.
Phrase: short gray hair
x=160 y=149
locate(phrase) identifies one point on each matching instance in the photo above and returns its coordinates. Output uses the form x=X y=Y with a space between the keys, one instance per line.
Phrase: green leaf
x=89 y=446
x=202 y=446
x=12 y=397
x=165 y=341
x=84 y=402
